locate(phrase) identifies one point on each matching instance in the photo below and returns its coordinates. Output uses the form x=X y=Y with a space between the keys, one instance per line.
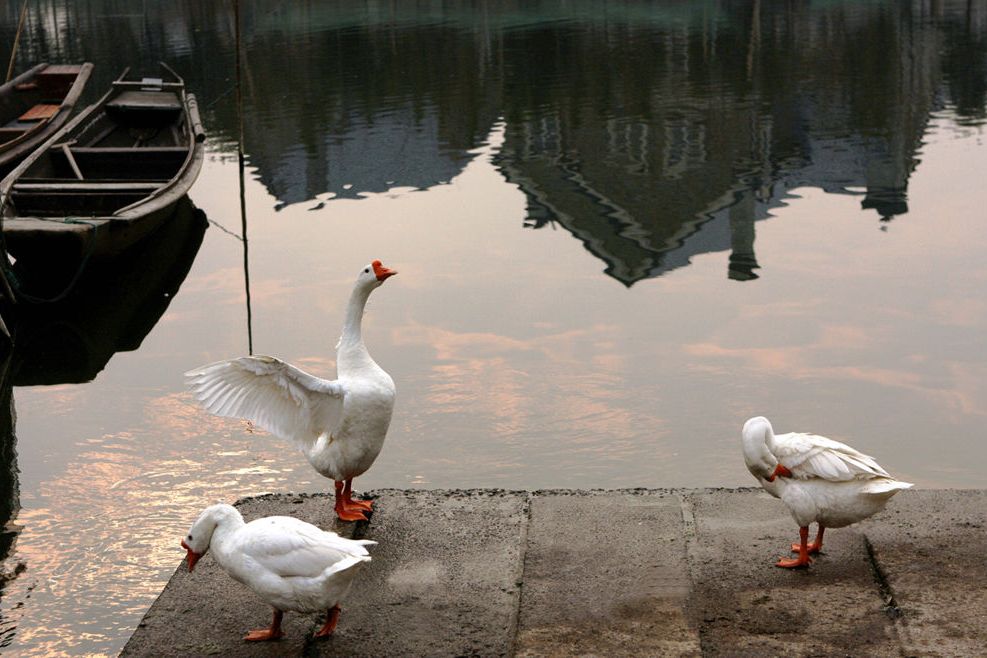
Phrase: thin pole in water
x=17 y=38
x=243 y=195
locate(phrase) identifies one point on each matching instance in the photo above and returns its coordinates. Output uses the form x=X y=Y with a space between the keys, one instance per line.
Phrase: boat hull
x=107 y=179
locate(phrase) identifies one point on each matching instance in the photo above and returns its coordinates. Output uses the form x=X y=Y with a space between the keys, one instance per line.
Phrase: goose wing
x=813 y=456
x=277 y=396
x=289 y=548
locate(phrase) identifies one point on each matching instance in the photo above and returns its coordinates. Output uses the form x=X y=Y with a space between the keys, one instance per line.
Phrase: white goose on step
x=290 y=564
x=820 y=480
x=339 y=424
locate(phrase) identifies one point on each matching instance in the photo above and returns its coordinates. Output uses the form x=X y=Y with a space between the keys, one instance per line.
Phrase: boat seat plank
x=39 y=112
x=61 y=69
x=154 y=101
x=138 y=150
x=69 y=186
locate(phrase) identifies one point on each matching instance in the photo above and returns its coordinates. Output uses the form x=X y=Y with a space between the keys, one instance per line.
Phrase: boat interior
x=132 y=146
x=31 y=103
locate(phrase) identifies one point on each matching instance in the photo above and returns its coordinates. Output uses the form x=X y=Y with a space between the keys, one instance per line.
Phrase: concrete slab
x=444 y=581
x=445 y=578
x=632 y=572
x=930 y=546
x=745 y=606
x=605 y=574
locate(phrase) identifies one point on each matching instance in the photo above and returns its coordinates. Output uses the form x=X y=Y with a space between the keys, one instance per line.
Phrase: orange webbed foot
x=813 y=549
x=366 y=505
x=803 y=560
x=263 y=635
x=350 y=514
x=797 y=563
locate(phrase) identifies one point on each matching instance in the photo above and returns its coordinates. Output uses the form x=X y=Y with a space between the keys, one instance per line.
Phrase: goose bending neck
x=223 y=521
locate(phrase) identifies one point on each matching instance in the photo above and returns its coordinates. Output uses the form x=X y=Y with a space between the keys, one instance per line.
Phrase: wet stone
x=743 y=605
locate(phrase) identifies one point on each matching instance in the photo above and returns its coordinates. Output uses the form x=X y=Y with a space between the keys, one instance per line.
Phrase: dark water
x=622 y=229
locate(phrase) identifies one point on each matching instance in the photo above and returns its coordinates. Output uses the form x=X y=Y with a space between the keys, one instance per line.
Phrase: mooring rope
x=90 y=248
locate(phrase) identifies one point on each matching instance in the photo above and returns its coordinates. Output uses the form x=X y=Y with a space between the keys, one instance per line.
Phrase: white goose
x=819 y=479
x=290 y=564
x=338 y=424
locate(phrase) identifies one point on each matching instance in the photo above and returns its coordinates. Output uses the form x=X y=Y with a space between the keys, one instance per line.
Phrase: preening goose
x=290 y=564
x=338 y=424
x=820 y=480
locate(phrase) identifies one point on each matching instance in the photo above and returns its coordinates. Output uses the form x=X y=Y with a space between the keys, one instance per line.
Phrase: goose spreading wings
x=339 y=425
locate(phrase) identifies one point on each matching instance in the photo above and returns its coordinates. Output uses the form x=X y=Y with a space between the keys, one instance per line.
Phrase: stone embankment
x=611 y=573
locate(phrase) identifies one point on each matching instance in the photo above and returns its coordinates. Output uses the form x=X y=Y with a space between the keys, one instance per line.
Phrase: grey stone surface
x=611 y=573
x=605 y=575
x=443 y=580
x=743 y=605
x=932 y=550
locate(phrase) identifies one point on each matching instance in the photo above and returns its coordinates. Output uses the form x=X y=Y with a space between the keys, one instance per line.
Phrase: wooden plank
x=39 y=112
x=72 y=163
x=146 y=100
x=61 y=69
x=140 y=150
x=86 y=186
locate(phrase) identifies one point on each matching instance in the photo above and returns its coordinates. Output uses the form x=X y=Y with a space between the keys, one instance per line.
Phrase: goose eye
x=366 y=271
x=190 y=537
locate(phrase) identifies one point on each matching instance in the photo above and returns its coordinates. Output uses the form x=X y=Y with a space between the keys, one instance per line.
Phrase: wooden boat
x=106 y=179
x=34 y=105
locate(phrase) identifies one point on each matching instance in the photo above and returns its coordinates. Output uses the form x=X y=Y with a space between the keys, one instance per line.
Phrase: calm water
x=621 y=229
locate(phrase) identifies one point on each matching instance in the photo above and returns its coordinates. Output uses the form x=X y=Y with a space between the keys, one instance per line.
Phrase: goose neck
x=226 y=527
x=353 y=323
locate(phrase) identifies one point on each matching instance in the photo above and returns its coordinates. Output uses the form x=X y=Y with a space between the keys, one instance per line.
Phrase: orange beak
x=779 y=470
x=192 y=556
x=381 y=271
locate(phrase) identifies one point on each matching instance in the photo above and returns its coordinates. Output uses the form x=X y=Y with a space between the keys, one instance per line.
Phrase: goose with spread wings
x=339 y=425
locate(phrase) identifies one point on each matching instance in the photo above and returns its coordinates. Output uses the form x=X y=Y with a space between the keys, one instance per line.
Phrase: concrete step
x=609 y=573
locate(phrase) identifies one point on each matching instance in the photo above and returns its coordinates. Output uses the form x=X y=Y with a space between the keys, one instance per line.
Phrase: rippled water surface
x=621 y=229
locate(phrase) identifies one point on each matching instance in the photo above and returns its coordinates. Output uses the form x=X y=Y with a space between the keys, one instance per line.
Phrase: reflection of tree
x=634 y=126
x=964 y=65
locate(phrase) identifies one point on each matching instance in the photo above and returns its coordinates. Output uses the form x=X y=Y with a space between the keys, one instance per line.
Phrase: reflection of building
x=699 y=164
x=639 y=203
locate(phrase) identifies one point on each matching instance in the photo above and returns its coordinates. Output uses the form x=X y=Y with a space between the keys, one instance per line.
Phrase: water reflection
x=657 y=134
x=652 y=132
x=111 y=309
x=9 y=489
